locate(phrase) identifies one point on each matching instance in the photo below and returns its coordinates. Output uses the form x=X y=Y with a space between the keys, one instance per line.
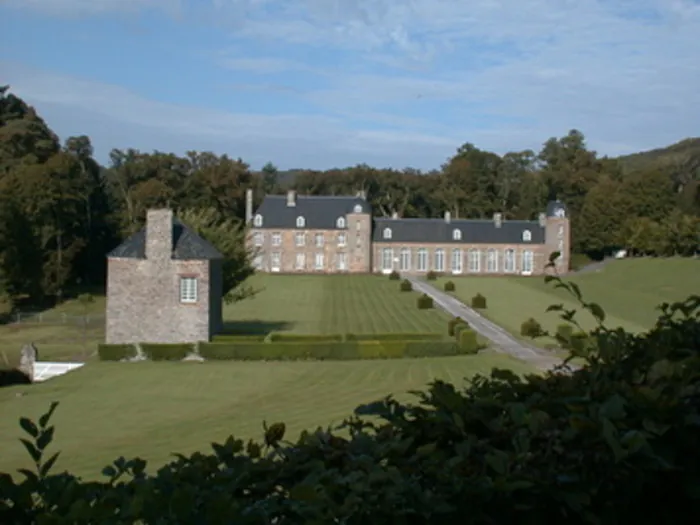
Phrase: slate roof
x=319 y=212
x=474 y=231
x=554 y=206
x=187 y=245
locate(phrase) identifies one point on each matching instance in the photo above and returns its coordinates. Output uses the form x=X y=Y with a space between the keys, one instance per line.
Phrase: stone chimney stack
x=498 y=219
x=291 y=198
x=448 y=217
x=248 y=205
x=543 y=220
x=395 y=215
x=159 y=234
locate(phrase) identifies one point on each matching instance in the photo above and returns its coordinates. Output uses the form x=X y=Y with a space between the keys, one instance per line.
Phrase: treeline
x=61 y=211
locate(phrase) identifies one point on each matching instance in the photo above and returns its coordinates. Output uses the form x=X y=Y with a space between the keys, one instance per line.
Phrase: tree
x=269 y=178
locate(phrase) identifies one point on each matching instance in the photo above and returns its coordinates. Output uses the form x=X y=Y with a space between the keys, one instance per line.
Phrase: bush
x=532 y=329
x=237 y=338
x=394 y=276
x=479 y=302
x=406 y=286
x=459 y=327
x=425 y=302
x=116 y=352
x=284 y=337
x=449 y=286
x=452 y=323
x=166 y=352
x=431 y=276
x=395 y=336
x=468 y=342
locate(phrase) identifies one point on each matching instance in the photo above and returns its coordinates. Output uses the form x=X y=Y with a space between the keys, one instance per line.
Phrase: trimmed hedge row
x=116 y=352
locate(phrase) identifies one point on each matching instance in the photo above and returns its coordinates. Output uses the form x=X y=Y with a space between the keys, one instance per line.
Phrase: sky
x=331 y=83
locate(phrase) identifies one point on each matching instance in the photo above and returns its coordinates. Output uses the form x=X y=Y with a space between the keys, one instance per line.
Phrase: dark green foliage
x=468 y=342
x=395 y=336
x=532 y=329
x=116 y=352
x=452 y=323
x=406 y=286
x=459 y=327
x=425 y=302
x=479 y=302
x=449 y=286
x=564 y=334
x=166 y=352
x=284 y=337
x=431 y=276
x=232 y=338
x=394 y=276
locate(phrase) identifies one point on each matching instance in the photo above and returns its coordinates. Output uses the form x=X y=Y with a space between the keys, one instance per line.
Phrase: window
x=491 y=260
x=258 y=238
x=300 y=262
x=300 y=238
x=301 y=222
x=258 y=262
x=387 y=233
x=456 y=235
x=318 y=262
x=342 y=261
x=422 y=265
x=357 y=208
x=342 y=239
x=509 y=261
x=358 y=226
x=528 y=260
x=319 y=240
x=439 y=260
x=387 y=259
x=275 y=261
x=276 y=239
x=527 y=236
x=474 y=260
x=188 y=289
x=340 y=223
x=405 y=259
x=457 y=261
x=257 y=221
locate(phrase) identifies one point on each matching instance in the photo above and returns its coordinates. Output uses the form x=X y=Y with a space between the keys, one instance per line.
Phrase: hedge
x=166 y=352
x=479 y=302
x=452 y=323
x=449 y=286
x=406 y=286
x=396 y=336
x=424 y=302
x=468 y=342
x=116 y=352
x=281 y=337
x=238 y=337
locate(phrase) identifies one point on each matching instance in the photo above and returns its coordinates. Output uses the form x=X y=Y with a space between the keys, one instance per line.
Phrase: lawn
x=331 y=304
x=628 y=291
x=153 y=409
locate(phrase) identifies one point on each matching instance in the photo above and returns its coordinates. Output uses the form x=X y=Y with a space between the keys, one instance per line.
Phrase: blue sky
x=324 y=83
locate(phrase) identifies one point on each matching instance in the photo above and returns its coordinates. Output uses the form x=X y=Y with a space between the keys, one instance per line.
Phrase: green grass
x=153 y=409
x=331 y=304
x=628 y=290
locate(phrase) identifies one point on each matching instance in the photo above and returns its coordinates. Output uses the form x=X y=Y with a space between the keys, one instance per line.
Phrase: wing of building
x=335 y=234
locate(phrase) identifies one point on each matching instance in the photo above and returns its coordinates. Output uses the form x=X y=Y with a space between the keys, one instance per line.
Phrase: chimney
x=291 y=198
x=498 y=219
x=394 y=215
x=248 y=205
x=543 y=220
x=448 y=217
x=159 y=234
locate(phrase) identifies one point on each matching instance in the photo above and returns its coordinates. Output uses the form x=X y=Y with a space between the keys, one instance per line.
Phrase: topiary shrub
x=431 y=276
x=394 y=276
x=425 y=302
x=449 y=286
x=479 y=302
x=406 y=286
x=116 y=352
x=468 y=342
x=532 y=329
x=452 y=323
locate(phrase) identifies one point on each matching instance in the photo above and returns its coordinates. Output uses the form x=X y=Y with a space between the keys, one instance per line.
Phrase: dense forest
x=61 y=211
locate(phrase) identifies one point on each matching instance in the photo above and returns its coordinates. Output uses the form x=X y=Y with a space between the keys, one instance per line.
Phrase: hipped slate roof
x=473 y=231
x=319 y=212
x=187 y=245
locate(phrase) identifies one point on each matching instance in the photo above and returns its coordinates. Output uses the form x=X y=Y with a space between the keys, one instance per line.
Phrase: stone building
x=331 y=234
x=164 y=285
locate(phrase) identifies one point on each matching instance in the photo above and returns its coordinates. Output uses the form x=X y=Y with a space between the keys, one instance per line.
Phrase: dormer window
x=387 y=233
x=301 y=222
x=340 y=223
x=456 y=235
x=257 y=221
x=357 y=208
x=527 y=236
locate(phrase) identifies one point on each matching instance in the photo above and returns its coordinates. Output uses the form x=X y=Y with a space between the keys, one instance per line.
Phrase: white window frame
x=456 y=235
x=258 y=238
x=342 y=239
x=405 y=259
x=386 y=234
x=275 y=261
x=439 y=260
x=457 y=261
x=491 y=260
x=527 y=236
x=387 y=260
x=422 y=260
x=300 y=261
x=276 y=239
x=509 y=261
x=319 y=261
x=301 y=222
x=342 y=261
x=340 y=222
x=474 y=261
x=319 y=240
x=299 y=239
x=527 y=262
x=188 y=289
x=258 y=221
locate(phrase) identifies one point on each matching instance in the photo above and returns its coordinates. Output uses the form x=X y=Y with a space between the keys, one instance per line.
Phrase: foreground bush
x=394 y=276
x=449 y=286
x=424 y=302
x=531 y=328
x=479 y=302
x=406 y=286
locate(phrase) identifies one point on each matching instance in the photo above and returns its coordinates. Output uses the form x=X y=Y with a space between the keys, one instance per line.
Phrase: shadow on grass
x=252 y=327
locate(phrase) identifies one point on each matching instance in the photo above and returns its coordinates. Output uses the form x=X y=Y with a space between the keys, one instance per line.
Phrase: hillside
x=679 y=156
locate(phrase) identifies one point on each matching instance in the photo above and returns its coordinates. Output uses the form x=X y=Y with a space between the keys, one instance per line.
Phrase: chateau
x=335 y=234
